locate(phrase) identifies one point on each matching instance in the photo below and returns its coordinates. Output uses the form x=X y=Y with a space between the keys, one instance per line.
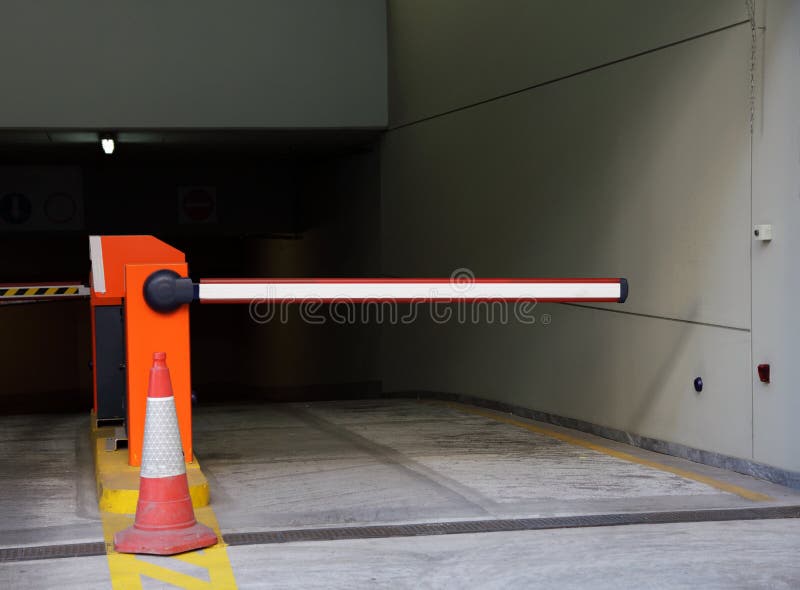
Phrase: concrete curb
x=118 y=483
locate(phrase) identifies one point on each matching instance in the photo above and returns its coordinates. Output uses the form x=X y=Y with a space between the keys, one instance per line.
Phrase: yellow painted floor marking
x=12 y=291
x=118 y=483
x=31 y=290
x=51 y=291
x=127 y=570
x=574 y=440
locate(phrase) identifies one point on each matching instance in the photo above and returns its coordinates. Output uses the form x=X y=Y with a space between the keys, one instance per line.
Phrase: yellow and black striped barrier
x=21 y=292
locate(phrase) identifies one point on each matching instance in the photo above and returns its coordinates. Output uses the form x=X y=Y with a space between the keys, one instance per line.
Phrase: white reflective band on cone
x=162 y=453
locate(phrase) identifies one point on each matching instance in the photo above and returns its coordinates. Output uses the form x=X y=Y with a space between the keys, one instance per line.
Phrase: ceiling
x=69 y=144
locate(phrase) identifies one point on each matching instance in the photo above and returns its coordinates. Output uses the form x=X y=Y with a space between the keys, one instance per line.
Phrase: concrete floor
x=724 y=555
x=756 y=554
x=370 y=462
x=47 y=481
x=402 y=461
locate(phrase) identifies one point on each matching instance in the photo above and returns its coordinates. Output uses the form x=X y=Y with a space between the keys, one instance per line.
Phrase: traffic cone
x=165 y=522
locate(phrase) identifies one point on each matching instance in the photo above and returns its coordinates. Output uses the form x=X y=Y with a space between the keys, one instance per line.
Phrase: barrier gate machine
x=140 y=294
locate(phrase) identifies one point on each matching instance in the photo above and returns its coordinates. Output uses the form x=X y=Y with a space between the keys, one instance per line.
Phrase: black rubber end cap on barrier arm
x=165 y=291
x=623 y=290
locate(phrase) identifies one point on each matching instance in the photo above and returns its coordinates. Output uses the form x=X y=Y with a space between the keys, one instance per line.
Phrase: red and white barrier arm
x=165 y=290
x=410 y=290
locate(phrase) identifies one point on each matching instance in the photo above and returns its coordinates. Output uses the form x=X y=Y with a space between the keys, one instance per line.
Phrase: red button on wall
x=763 y=373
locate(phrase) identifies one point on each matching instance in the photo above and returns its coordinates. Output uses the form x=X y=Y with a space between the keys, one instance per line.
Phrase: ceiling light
x=107 y=143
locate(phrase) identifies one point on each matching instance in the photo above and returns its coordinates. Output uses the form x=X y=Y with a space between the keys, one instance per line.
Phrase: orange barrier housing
x=127 y=261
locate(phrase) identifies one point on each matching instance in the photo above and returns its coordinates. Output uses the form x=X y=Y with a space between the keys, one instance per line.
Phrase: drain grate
x=517 y=524
x=432 y=528
x=52 y=551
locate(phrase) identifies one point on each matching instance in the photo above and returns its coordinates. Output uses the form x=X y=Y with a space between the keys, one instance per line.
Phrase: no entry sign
x=197 y=204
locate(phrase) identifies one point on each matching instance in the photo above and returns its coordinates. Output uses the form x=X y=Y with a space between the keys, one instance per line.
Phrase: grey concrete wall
x=776 y=200
x=454 y=53
x=193 y=63
x=517 y=148
x=640 y=169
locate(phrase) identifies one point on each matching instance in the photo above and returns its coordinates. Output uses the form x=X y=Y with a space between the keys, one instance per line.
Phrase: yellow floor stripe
x=118 y=483
x=11 y=292
x=127 y=570
x=51 y=291
x=573 y=440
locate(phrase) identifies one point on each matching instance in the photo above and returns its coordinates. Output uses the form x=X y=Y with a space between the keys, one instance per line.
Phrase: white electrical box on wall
x=763 y=232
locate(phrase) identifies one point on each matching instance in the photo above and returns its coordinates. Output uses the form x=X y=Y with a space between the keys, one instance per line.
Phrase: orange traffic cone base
x=164 y=542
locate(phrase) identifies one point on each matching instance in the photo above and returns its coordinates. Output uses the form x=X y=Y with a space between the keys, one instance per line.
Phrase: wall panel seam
x=659 y=317
x=568 y=76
